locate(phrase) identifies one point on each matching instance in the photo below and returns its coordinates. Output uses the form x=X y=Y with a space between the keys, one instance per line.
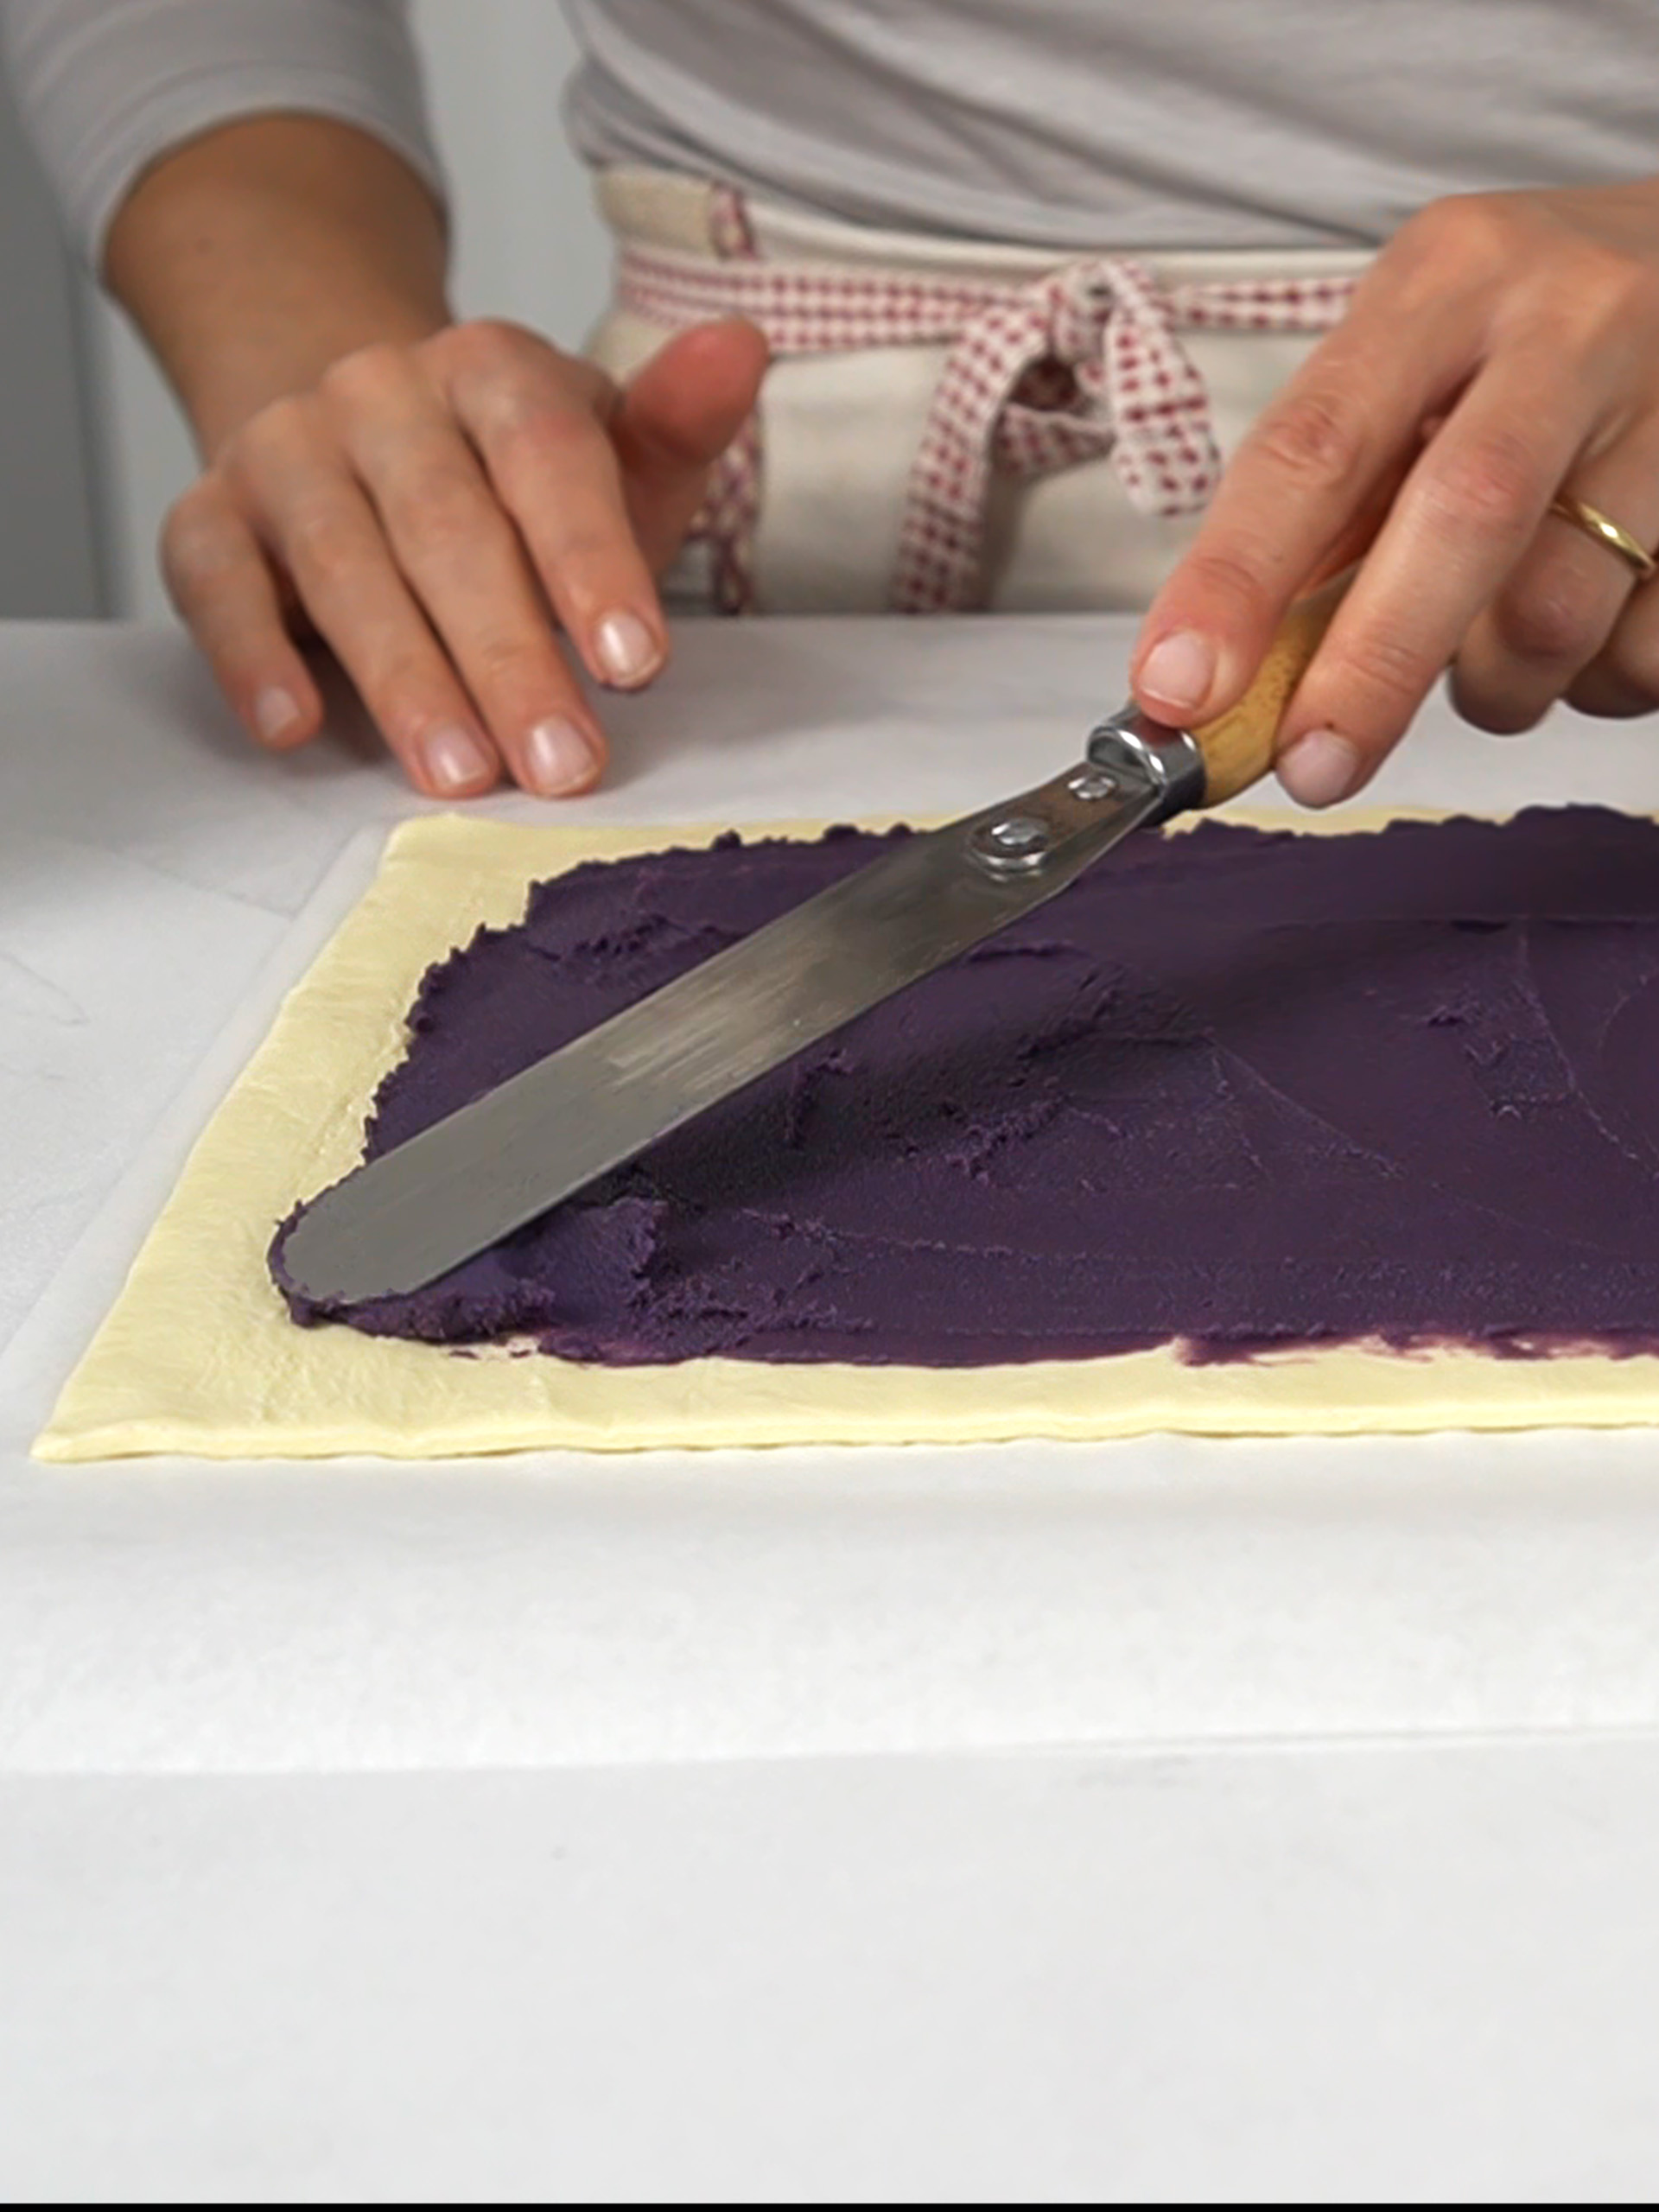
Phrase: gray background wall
x=91 y=449
x=50 y=555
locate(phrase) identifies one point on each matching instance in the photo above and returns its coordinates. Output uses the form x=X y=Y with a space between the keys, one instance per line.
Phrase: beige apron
x=947 y=424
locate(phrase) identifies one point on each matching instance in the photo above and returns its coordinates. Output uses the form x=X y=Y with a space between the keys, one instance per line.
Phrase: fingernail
x=627 y=651
x=455 y=758
x=558 y=757
x=275 y=712
x=1319 y=768
x=1179 y=670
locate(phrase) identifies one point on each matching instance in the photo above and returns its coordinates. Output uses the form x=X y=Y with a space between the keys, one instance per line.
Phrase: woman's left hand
x=1503 y=348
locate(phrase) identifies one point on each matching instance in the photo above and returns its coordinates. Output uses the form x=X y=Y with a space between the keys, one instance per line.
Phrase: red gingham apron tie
x=1079 y=364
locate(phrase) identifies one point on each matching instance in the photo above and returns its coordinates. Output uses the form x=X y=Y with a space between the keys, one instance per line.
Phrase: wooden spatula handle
x=1238 y=746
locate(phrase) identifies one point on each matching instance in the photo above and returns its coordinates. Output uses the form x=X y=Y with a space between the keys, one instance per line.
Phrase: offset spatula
x=484 y=1170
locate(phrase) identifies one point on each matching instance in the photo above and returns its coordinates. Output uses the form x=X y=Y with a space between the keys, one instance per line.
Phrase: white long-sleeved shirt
x=1105 y=123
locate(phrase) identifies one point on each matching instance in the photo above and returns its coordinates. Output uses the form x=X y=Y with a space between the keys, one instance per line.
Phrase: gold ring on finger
x=1605 y=532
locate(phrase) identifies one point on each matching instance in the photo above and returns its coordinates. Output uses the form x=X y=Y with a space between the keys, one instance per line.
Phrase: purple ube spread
x=1233 y=1089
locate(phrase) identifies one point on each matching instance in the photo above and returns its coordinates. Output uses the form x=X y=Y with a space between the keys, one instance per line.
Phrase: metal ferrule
x=1132 y=742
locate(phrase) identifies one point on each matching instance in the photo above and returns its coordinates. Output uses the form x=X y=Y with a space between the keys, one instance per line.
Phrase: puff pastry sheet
x=198 y=1357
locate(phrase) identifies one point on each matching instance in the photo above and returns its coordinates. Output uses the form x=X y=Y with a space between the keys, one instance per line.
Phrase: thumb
x=679 y=415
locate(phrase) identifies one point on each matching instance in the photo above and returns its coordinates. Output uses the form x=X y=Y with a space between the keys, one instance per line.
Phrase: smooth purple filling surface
x=1234 y=1089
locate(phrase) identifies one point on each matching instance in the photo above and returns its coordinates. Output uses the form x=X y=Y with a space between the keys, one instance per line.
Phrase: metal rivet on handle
x=1017 y=843
x=1093 y=784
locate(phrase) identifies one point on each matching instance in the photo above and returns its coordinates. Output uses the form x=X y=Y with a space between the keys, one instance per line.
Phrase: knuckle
x=191 y=553
x=188 y=558
x=1495 y=481
x=285 y=423
x=404 y=694
x=1382 y=668
x=194 y=516
x=595 y=562
x=1631 y=287
x=1603 y=292
x=533 y=436
x=1574 y=305
x=270 y=440
x=515 y=384
x=499 y=333
x=445 y=513
x=365 y=377
x=503 y=662
x=486 y=346
x=1227 y=581
x=200 y=538
x=318 y=540
x=1473 y=229
x=1314 y=437
x=1550 y=624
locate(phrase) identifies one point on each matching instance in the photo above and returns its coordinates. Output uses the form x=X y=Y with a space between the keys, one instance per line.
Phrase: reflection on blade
x=495 y=1164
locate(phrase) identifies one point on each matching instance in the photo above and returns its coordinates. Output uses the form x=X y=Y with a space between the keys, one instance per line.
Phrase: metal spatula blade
x=481 y=1173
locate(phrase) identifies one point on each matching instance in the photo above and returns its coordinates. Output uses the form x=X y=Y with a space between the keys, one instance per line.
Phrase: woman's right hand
x=432 y=511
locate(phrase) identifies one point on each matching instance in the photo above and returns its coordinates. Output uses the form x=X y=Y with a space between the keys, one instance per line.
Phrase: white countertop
x=252 y=1718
